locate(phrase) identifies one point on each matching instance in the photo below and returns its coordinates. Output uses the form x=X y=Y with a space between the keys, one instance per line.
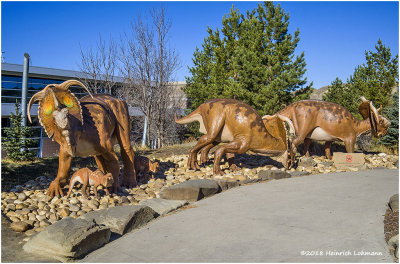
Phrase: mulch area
x=391 y=223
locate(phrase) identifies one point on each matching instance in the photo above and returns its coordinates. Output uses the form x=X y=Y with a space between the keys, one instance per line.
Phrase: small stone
x=74 y=201
x=93 y=204
x=22 y=197
x=170 y=177
x=30 y=232
x=74 y=208
x=64 y=212
x=19 y=226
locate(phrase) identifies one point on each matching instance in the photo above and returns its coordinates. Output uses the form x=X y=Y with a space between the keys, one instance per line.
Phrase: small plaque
x=348 y=160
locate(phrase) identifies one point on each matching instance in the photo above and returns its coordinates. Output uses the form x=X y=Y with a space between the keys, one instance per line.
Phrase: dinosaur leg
x=205 y=140
x=64 y=165
x=112 y=165
x=307 y=142
x=237 y=146
x=122 y=133
x=204 y=152
x=100 y=163
x=231 y=161
x=349 y=144
x=328 y=149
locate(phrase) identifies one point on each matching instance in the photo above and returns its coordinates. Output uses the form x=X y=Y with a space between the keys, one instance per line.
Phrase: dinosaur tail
x=190 y=118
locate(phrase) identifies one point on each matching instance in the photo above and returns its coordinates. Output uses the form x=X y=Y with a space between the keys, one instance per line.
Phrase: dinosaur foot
x=194 y=166
x=55 y=189
x=218 y=171
x=129 y=183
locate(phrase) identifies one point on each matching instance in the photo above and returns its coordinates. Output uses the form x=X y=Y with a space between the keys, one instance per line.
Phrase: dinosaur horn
x=363 y=99
x=289 y=122
x=56 y=103
x=65 y=85
x=36 y=97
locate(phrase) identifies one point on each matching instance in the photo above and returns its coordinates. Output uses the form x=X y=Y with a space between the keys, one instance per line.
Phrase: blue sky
x=333 y=35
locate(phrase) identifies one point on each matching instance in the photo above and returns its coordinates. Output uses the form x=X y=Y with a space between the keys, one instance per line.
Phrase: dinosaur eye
x=68 y=102
x=48 y=109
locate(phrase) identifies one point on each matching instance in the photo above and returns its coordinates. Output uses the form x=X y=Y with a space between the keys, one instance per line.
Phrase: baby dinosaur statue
x=240 y=126
x=86 y=127
x=144 y=165
x=326 y=121
x=90 y=177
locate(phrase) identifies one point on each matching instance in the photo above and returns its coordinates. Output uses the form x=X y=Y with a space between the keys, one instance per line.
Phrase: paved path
x=270 y=222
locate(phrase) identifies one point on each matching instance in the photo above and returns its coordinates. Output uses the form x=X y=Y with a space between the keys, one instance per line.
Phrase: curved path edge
x=335 y=217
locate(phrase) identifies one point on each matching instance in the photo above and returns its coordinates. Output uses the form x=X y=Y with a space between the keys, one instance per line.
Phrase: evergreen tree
x=341 y=94
x=391 y=139
x=251 y=59
x=16 y=141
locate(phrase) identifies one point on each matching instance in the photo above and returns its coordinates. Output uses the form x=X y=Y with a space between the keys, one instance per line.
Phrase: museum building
x=38 y=78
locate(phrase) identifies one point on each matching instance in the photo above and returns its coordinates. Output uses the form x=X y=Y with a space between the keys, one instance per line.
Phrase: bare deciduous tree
x=148 y=65
x=99 y=66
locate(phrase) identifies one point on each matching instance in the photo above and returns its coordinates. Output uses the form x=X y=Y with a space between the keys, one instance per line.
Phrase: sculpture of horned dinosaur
x=326 y=121
x=86 y=127
x=241 y=127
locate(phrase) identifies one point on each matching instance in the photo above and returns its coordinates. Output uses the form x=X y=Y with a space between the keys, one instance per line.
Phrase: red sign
x=349 y=158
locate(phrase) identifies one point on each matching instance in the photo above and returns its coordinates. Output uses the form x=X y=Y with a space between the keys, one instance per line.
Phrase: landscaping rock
x=394 y=202
x=307 y=162
x=192 y=190
x=393 y=244
x=19 y=226
x=273 y=175
x=162 y=206
x=299 y=173
x=225 y=185
x=68 y=239
x=121 y=219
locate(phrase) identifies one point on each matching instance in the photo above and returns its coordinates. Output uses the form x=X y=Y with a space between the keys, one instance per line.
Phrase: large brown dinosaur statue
x=325 y=121
x=240 y=126
x=88 y=127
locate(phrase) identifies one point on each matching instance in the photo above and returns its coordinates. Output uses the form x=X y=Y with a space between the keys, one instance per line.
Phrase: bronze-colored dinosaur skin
x=105 y=121
x=237 y=124
x=326 y=121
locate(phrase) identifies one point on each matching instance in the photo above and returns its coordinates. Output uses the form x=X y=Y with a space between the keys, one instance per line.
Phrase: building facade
x=38 y=78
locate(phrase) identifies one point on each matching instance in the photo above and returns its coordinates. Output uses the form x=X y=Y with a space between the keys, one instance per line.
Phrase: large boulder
x=192 y=190
x=394 y=203
x=225 y=185
x=307 y=162
x=162 y=206
x=68 y=238
x=273 y=175
x=121 y=219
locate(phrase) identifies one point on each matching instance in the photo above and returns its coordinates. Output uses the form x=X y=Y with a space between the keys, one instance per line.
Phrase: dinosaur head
x=379 y=124
x=281 y=127
x=60 y=113
x=108 y=180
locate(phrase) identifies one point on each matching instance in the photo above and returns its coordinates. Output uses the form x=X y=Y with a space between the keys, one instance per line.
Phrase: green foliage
x=250 y=59
x=16 y=141
x=343 y=95
x=391 y=139
x=374 y=80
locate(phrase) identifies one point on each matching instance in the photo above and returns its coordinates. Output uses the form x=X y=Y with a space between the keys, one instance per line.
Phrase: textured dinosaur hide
x=89 y=127
x=237 y=124
x=325 y=121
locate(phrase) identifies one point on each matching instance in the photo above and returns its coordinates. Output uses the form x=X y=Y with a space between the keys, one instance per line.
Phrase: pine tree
x=16 y=142
x=341 y=94
x=250 y=59
x=391 y=139
x=374 y=80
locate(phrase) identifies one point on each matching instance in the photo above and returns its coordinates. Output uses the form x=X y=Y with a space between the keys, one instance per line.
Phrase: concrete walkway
x=285 y=220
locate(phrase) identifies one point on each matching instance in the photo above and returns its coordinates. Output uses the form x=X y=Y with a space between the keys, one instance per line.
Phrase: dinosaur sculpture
x=86 y=127
x=241 y=127
x=325 y=121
